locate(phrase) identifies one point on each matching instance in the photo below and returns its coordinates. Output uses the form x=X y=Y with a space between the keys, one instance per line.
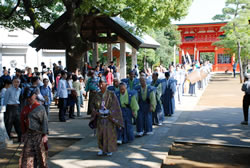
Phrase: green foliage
x=164 y=55
x=144 y=14
x=237 y=29
x=46 y=11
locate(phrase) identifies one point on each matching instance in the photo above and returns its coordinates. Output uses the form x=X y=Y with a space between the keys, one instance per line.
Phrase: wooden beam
x=112 y=39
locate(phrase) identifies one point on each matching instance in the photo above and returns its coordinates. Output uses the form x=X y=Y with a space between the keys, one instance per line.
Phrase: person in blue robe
x=129 y=106
x=147 y=104
x=131 y=82
x=158 y=115
x=168 y=93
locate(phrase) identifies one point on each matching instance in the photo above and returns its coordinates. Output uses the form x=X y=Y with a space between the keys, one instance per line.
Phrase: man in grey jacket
x=246 y=99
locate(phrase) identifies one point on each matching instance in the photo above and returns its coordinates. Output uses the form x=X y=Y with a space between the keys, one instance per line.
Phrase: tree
x=168 y=38
x=144 y=14
x=237 y=33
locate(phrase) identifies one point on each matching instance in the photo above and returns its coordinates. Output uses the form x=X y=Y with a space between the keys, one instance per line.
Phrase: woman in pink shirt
x=109 y=77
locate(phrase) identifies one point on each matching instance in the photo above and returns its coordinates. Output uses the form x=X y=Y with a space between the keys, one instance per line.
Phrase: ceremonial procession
x=124 y=84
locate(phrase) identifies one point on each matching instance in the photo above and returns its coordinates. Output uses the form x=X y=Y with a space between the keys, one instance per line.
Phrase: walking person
x=34 y=124
x=158 y=115
x=234 y=69
x=147 y=104
x=92 y=88
x=47 y=95
x=109 y=77
x=107 y=115
x=77 y=86
x=129 y=107
x=72 y=96
x=168 y=93
x=62 y=93
x=131 y=82
x=246 y=99
x=12 y=114
x=179 y=77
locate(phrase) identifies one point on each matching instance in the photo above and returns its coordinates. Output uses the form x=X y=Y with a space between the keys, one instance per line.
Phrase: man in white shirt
x=12 y=114
x=62 y=92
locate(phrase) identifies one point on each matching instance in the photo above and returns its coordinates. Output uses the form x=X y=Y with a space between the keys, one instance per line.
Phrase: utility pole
x=240 y=63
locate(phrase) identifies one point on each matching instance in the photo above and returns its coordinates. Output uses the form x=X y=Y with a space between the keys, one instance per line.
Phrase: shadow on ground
x=211 y=125
x=188 y=155
x=56 y=145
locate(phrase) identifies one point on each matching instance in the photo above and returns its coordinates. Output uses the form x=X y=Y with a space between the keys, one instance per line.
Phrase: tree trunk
x=73 y=61
x=240 y=64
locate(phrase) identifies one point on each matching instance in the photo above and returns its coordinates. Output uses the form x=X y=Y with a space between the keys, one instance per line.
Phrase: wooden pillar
x=118 y=62
x=215 y=56
x=110 y=53
x=123 y=67
x=134 y=58
x=180 y=57
x=215 y=59
x=86 y=56
x=95 y=54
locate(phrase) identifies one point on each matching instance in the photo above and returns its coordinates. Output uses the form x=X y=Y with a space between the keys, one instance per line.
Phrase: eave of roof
x=197 y=24
x=119 y=26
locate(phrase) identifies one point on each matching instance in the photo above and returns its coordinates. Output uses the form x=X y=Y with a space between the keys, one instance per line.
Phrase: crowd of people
x=142 y=99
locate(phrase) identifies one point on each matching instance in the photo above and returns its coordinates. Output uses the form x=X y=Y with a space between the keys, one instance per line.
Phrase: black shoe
x=72 y=117
x=63 y=120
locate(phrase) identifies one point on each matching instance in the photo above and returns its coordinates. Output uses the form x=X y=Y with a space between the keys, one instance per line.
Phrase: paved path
x=216 y=119
x=147 y=151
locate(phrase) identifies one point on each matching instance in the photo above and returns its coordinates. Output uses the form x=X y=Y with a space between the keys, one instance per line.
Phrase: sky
x=202 y=11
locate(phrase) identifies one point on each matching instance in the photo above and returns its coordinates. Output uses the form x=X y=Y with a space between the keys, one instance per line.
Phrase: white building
x=15 y=51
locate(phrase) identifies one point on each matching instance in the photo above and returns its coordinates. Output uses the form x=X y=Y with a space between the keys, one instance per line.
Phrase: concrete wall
x=15 y=50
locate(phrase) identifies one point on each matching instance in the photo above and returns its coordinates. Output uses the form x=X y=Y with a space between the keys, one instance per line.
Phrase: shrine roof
x=202 y=24
x=54 y=36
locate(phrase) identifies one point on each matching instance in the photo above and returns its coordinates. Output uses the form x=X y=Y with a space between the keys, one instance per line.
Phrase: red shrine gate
x=198 y=38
